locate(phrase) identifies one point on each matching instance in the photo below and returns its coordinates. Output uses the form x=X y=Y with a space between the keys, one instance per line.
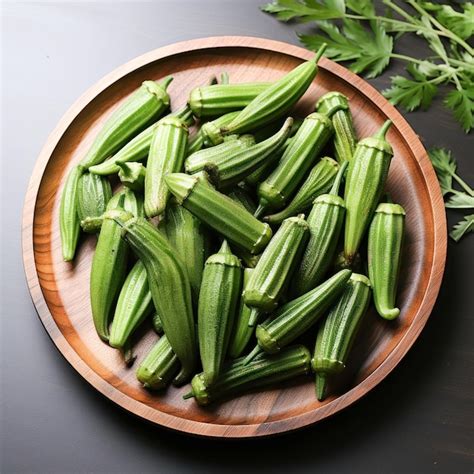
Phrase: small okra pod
x=138 y=148
x=157 y=324
x=146 y=104
x=263 y=371
x=94 y=192
x=207 y=156
x=134 y=305
x=298 y=158
x=159 y=366
x=337 y=333
x=325 y=222
x=241 y=332
x=319 y=181
x=219 y=211
x=167 y=153
x=336 y=106
x=384 y=256
x=169 y=287
x=219 y=99
x=132 y=175
x=188 y=236
x=232 y=167
x=365 y=181
x=69 y=223
x=297 y=316
x=218 y=299
x=109 y=267
x=277 y=99
x=275 y=267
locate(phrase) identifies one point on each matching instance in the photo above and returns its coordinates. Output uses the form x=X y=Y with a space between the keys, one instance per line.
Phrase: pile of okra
x=239 y=239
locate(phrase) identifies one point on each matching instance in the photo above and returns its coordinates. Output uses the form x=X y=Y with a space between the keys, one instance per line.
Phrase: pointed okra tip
x=225 y=247
x=320 y=52
x=383 y=130
x=250 y=357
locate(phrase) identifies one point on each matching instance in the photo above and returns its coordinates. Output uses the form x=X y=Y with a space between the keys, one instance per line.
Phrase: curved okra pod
x=277 y=99
x=146 y=104
x=134 y=305
x=319 y=181
x=167 y=153
x=220 y=290
x=297 y=316
x=275 y=267
x=365 y=181
x=264 y=370
x=325 y=223
x=296 y=161
x=169 y=287
x=219 y=99
x=337 y=333
x=336 y=106
x=384 y=256
x=219 y=212
x=68 y=217
x=159 y=366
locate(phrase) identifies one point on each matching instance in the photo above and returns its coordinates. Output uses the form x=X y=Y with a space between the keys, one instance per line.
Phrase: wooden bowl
x=60 y=291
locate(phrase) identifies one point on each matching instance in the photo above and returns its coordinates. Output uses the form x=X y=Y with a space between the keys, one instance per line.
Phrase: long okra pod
x=337 y=333
x=384 y=256
x=146 y=104
x=365 y=181
x=277 y=99
x=219 y=212
x=170 y=289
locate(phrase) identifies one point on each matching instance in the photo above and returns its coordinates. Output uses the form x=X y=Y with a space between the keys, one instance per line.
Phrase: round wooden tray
x=60 y=291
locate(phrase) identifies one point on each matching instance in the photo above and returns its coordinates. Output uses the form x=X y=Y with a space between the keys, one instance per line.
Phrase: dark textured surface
x=418 y=420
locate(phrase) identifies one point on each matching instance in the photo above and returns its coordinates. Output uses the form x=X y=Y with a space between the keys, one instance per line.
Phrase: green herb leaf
x=463 y=227
x=304 y=11
x=409 y=93
x=362 y=7
x=344 y=45
x=460 y=201
x=445 y=166
x=460 y=23
x=461 y=102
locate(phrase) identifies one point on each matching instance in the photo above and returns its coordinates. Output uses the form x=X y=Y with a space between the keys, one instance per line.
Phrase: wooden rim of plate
x=257 y=429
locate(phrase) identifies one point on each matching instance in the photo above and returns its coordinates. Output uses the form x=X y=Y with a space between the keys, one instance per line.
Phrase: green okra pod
x=325 y=222
x=219 y=212
x=188 y=236
x=274 y=269
x=263 y=371
x=132 y=175
x=319 y=181
x=384 y=256
x=241 y=332
x=298 y=158
x=169 y=287
x=220 y=290
x=336 y=106
x=134 y=305
x=146 y=104
x=337 y=333
x=159 y=366
x=94 y=192
x=69 y=223
x=109 y=267
x=219 y=99
x=297 y=316
x=230 y=167
x=239 y=194
x=277 y=99
x=167 y=153
x=365 y=181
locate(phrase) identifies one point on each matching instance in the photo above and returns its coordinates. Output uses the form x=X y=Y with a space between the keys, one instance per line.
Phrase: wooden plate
x=60 y=291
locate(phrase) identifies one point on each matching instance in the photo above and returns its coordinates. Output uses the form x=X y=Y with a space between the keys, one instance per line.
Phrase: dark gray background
x=418 y=420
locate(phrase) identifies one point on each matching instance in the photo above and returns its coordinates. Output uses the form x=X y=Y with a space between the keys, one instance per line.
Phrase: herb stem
x=463 y=185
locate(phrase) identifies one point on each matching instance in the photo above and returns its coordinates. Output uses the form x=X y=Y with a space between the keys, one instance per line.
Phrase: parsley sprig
x=355 y=33
x=445 y=167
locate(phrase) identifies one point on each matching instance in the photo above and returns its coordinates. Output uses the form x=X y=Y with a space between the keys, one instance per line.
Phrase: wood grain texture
x=60 y=290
